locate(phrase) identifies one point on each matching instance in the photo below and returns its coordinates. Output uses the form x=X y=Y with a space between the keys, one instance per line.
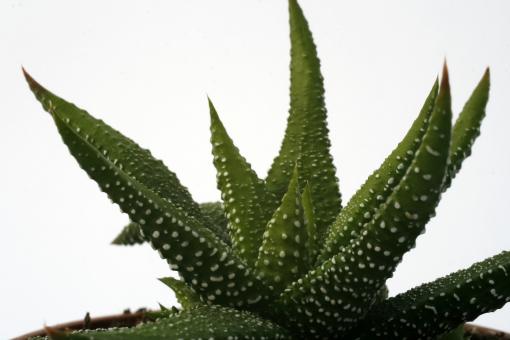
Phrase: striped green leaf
x=467 y=128
x=152 y=196
x=204 y=322
x=283 y=256
x=335 y=296
x=306 y=135
x=367 y=201
x=243 y=193
x=440 y=306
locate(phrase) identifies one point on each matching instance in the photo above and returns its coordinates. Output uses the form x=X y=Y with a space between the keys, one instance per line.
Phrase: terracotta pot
x=128 y=319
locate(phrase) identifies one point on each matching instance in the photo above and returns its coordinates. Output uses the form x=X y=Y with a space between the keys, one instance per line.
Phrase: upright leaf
x=335 y=296
x=467 y=128
x=367 y=201
x=204 y=322
x=437 y=307
x=309 y=215
x=283 y=256
x=243 y=193
x=152 y=196
x=306 y=135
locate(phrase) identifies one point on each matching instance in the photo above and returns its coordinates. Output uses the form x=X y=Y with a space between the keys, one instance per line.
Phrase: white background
x=145 y=67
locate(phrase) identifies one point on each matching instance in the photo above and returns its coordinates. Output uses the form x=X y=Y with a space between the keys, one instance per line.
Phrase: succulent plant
x=281 y=258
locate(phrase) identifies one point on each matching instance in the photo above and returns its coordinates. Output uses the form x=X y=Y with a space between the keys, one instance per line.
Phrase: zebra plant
x=281 y=258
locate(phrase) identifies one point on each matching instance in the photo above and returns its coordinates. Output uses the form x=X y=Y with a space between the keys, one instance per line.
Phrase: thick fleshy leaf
x=308 y=212
x=335 y=296
x=440 y=306
x=152 y=196
x=152 y=172
x=283 y=256
x=185 y=295
x=244 y=195
x=216 y=214
x=214 y=217
x=306 y=135
x=457 y=334
x=130 y=235
x=367 y=201
x=382 y=294
x=204 y=322
x=212 y=213
x=467 y=128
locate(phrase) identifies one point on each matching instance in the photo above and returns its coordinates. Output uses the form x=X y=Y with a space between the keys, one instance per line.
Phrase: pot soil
x=129 y=319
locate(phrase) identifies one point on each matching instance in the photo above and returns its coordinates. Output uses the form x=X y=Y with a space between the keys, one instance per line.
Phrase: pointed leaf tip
x=215 y=119
x=365 y=204
x=170 y=218
x=32 y=83
x=25 y=73
x=243 y=193
x=307 y=130
x=283 y=256
x=445 y=79
x=487 y=74
x=467 y=127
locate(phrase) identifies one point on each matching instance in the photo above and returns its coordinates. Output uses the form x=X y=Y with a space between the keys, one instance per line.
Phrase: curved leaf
x=243 y=193
x=367 y=201
x=440 y=306
x=283 y=256
x=204 y=322
x=306 y=135
x=467 y=128
x=152 y=196
x=335 y=296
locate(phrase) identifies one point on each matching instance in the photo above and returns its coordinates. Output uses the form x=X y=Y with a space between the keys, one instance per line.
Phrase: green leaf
x=457 y=334
x=306 y=135
x=214 y=217
x=204 y=322
x=212 y=213
x=339 y=292
x=152 y=196
x=367 y=201
x=308 y=210
x=439 y=306
x=467 y=128
x=283 y=256
x=162 y=313
x=243 y=193
x=382 y=294
x=216 y=214
x=130 y=235
x=185 y=295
